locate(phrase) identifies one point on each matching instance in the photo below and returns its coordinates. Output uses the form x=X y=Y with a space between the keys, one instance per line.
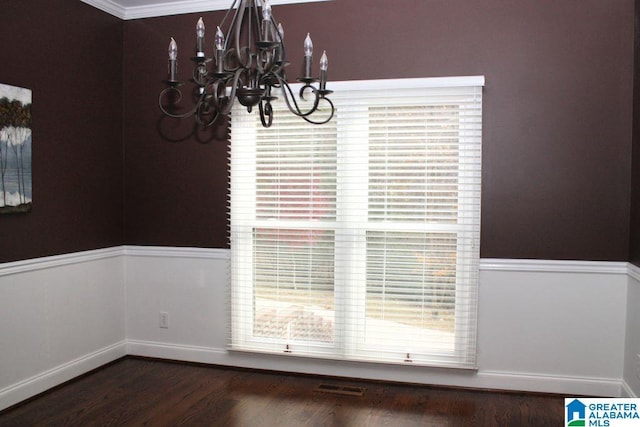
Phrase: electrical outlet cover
x=164 y=320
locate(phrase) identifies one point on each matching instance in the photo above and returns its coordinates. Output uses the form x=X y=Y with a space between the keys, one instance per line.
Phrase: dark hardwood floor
x=135 y=392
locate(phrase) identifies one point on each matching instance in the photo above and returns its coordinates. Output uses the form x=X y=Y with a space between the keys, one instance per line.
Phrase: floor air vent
x=340 y=389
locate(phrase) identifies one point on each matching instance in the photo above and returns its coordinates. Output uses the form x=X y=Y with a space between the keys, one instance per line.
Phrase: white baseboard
x=626 y=391
x=37 y=384
x=482 y=380
x=216 y=356
x=183 y=353
x=564 y=385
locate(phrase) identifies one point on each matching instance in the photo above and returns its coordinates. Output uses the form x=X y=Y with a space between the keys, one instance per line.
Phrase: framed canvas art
x=15 y=149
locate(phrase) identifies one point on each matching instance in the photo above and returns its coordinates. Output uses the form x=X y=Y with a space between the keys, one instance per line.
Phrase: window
x=359 y=239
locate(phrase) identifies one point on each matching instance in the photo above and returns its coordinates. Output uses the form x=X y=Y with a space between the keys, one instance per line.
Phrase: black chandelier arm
x=236 y=27
x=256 y=15
x=313 y=90
x=266 y=113
x=237 y=13
x=203 y=110
x=232 y=8
x=217 y=95
x=200 y=73
x=231 y=60
x=292 y=104
x=266 y=61
x=319 y=97
x=165 y=92
x=290 y=97
x=234 y=85
x=333 y=110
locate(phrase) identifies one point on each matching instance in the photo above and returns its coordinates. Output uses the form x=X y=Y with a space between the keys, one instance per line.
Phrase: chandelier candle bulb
x=173 y=60
x=219 y=51
x=281 y=32
x=266 y=22
x=308 y=56
x=200 y=38
x=324 y=64
x=280 y=57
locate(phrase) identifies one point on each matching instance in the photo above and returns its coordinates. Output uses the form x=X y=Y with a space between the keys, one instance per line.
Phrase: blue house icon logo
x=576 y=413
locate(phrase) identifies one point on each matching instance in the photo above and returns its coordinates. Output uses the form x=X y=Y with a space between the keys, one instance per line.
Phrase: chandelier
x=248 y=64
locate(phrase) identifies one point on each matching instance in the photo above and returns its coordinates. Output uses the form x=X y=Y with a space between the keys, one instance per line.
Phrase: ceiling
x=136 y=9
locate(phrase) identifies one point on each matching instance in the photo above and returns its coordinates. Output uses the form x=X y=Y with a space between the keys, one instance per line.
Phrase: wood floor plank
x=136 y=391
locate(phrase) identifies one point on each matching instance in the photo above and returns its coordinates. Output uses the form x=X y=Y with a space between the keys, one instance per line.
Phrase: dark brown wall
x=176 y=178
x=557 y=115
x=557 y=119
x=70 y=55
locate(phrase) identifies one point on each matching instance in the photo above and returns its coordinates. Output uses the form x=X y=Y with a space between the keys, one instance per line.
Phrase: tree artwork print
x=15 y=149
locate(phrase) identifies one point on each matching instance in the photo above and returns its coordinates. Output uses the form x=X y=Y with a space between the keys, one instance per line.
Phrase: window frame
x=349 y=342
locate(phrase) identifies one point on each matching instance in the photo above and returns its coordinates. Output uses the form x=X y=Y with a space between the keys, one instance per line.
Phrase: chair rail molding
x=634 y=272
x=554 y=266
x=53 y=261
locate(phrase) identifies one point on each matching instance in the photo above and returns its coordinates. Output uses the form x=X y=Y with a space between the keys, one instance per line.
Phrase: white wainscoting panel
x=189 y=284
x=569 y=327
x=61 y=317
x=556 y=329
x=557 y=325
x=631 y=385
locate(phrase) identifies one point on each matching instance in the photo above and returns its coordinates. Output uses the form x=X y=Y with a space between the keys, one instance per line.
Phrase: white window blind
x=359 y=239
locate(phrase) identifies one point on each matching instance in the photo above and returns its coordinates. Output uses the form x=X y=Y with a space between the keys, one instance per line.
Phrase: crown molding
x=170 y=8
x=108 y=6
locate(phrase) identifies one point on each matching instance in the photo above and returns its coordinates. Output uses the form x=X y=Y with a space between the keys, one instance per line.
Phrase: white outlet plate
x=164 y=320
